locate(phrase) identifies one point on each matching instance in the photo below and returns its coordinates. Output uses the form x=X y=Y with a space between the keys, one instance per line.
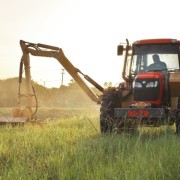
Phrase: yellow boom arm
x=57 y=53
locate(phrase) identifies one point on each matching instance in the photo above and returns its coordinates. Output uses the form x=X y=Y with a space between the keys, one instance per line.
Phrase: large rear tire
x=178 y=124
x=110 y=100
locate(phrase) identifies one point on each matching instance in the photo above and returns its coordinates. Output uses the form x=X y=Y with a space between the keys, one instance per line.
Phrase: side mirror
x=120 y=49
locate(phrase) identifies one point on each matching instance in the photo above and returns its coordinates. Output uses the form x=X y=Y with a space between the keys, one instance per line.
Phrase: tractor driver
x=157 y=65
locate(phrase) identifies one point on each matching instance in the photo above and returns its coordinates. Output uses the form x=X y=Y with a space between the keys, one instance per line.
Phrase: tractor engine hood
x=148 y=87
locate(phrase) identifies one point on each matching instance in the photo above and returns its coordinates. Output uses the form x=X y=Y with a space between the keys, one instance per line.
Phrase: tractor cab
x=139 y=56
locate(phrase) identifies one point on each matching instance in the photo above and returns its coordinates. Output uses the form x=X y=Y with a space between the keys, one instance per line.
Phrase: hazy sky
x=88 y=31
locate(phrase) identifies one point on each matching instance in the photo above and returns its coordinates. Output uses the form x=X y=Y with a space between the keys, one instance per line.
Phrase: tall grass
x=73 y=148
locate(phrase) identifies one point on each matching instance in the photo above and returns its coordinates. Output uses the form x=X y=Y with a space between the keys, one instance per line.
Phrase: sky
x=88 y=31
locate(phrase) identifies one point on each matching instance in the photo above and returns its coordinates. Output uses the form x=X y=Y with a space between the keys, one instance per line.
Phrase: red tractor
x=150 y=95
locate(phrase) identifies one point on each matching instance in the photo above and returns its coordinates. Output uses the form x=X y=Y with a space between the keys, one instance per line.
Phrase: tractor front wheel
x=178 y=124
x=110 y=100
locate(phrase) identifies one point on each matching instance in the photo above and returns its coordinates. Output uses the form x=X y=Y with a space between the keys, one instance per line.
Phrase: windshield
x=142 y=59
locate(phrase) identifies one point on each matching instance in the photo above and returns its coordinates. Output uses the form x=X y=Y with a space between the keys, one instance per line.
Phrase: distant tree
x=107 y=84
x=65 y=96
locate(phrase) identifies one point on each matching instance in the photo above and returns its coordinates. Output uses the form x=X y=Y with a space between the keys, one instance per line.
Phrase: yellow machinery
x=22 y=115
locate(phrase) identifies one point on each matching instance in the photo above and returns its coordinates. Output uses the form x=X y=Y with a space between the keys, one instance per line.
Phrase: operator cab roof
x=157 y=41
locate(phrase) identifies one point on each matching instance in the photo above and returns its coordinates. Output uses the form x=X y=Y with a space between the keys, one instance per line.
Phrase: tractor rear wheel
x=178 y=124
x=110 y=100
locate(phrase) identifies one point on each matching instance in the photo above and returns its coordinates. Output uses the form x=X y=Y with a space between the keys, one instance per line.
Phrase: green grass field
x=71 y=147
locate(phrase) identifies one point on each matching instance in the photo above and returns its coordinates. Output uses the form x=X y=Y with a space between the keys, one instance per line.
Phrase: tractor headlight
x=152 y=84
x=137 y=85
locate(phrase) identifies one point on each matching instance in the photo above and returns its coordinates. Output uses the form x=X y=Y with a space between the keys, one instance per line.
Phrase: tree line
x=71 y=96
